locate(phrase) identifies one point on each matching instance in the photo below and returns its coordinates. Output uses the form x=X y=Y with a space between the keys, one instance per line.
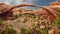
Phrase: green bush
x=8 y=30
x=25 y=30
x=15 y=16
x=58 y=27
x=1 y=19
x=58 y=32
x=31 y=15
x=56 y=23
x=43 y=31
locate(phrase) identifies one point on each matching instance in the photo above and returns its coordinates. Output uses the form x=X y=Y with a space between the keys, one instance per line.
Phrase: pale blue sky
x=36 y=2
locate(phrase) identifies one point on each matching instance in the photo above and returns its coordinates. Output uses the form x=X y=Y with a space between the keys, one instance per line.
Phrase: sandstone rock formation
x=29 y=17
x=6 y=11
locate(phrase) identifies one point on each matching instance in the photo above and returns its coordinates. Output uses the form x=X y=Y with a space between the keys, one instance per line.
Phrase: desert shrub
x=1 y=20
x=25 y=20
x=35 y=31
x=1 y=23
x=30 y=15
x=43 y=31
x=56 y=23
x=25 y=30
x=15 y=16
x=58 y=32
x=12 y=18
x=58 y=27
x=8 y=30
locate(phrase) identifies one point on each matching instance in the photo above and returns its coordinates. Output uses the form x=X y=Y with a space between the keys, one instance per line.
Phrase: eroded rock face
x=6 y=11
x=54 y=3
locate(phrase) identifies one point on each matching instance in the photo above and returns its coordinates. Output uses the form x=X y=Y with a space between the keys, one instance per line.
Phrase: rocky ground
x=25 y=21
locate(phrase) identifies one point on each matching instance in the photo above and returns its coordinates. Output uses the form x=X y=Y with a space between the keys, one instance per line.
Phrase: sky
x=35 y=2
